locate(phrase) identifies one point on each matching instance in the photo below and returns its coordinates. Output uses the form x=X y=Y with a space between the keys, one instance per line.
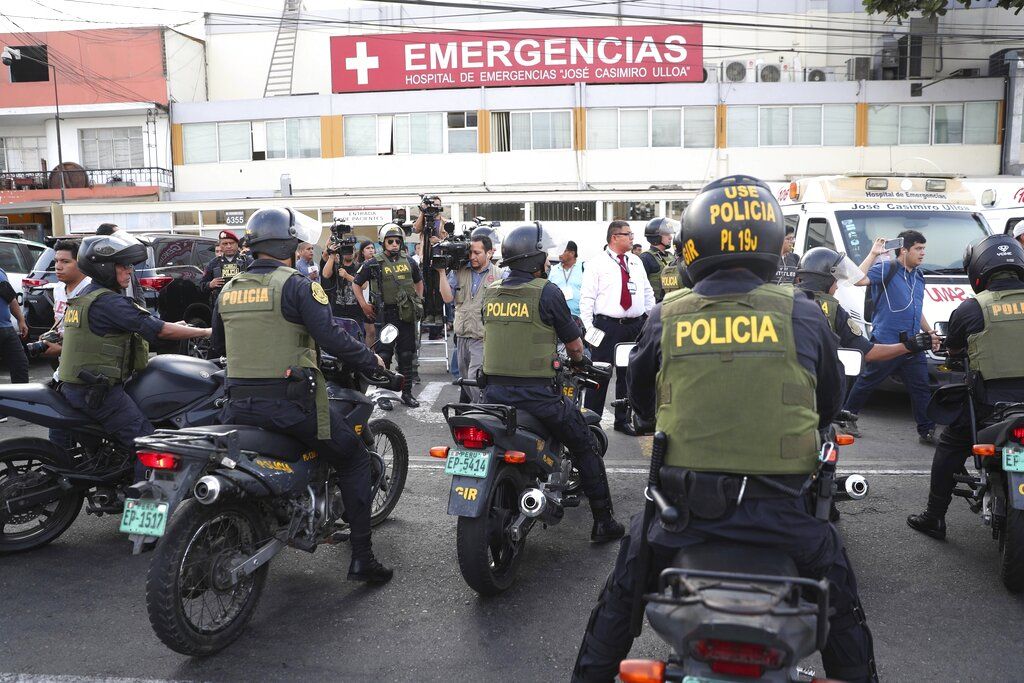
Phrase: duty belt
x=619 y=321
x=753 y=487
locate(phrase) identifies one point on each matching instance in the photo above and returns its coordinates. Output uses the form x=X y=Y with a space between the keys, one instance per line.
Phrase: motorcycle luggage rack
x=195 y=443
x=507 y=414
x=685 y=591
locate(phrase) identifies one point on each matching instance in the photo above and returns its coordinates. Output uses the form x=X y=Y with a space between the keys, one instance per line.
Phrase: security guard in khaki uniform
x=988 y=330
x=396 y=282
x=659 y=233
x=703 y=346
x=525 y=316
x=818 y=274
x=106 y=335
x=266 y=322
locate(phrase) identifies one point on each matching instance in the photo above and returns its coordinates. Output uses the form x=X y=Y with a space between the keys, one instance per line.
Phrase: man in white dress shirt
x=615 y=299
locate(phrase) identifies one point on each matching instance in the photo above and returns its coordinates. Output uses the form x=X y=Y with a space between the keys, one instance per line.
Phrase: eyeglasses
x=392 y=240
x=623 y=234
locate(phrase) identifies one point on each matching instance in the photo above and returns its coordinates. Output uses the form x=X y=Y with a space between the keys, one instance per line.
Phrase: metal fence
x=148 y=176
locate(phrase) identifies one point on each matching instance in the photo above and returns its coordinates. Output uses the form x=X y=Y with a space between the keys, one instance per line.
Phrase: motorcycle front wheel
x=488 y=557
x=193 y=607
x=22 y=462
x=1011 y=569
x=390 y=445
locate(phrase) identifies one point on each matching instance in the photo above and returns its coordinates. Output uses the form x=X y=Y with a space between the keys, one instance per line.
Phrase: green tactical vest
x=395 y=276
x=663 y=260
x=469 y=321
x=995 y=351
x=517 y=343
x=670 y=278
x=115 y=356
x=261 y=344
x=829 y=306
x=716 y=418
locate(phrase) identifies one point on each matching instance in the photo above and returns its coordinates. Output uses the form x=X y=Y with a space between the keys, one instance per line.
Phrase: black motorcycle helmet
x=272 y=232
x=526 y=248
x=991 y=255
x=100 y=253
x=657 y=227
x=735 y=222
x=816 y=271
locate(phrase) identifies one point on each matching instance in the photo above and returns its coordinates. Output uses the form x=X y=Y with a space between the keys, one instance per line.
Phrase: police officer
x=703 y=346
x=818 y=274
x=106 y=337
x=673 y=275
x=525 y=316
x=224 y=267
x=396 y=282
x=266 y=321
x=659 y=233
x=988 y=329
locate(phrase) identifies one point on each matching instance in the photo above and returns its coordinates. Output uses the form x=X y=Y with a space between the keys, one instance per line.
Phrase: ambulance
x=1001 y=199
x=847 y=213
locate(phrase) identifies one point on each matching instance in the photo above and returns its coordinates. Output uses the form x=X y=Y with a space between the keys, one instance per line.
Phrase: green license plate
x=701 y=679
x=144 y=517
x=1013 y=459
x=468 y=463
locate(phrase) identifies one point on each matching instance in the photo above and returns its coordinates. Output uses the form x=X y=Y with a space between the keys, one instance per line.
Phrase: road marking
x=43 y=678
x=422 y=463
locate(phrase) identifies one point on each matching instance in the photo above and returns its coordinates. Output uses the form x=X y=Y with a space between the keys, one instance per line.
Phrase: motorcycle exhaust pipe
x=851 y=487
x=209 y=489
x=535 y=504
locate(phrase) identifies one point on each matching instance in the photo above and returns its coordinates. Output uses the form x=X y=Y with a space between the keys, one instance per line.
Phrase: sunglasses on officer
x=392 y=240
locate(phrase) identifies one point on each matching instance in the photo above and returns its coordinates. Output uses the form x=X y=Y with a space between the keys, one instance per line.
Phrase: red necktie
x=625 y=298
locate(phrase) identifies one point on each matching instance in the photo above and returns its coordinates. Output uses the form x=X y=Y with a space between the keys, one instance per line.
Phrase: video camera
x=342 y=240
x=453 y=253
x=430 y=205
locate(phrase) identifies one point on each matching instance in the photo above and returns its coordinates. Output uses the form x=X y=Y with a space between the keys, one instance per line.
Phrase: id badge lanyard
x=630 y=285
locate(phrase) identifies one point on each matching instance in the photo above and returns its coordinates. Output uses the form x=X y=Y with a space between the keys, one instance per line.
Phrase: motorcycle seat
x=531 y=423
x=263 y=441
x=40 y=404
x=736 y=558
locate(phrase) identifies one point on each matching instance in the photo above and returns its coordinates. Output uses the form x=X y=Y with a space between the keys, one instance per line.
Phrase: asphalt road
x=76 y=608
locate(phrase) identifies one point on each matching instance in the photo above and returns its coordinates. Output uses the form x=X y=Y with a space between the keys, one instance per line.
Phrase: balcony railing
x=149 y=176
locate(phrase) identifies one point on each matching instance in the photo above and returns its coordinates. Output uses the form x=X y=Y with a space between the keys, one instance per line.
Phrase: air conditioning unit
x=710 y=73
x=819 y=74
x=858 y=69
x=919 y=50
x=769 y=73
x=736 y=71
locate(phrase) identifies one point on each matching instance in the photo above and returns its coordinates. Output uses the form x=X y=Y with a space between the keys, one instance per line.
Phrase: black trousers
x=118 y=414
x=565 y=422
x=950 y=453
x=13 y=352
x=614 y=333
x=404 y=346
x=786 y=524
x=345 y=451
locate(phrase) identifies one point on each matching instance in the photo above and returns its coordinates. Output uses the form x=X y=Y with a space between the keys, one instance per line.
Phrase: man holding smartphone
x=897 y=291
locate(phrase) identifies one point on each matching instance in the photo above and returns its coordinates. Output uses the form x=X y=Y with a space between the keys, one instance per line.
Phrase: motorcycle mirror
x=852 y=360
x=388 y=334
x=622 y=354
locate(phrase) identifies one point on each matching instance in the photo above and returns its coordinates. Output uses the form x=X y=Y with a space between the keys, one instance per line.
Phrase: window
x=200 y=143
x=360 y=135
x=948 y=127
x=633 y=130
x=173 y=252
x=22 y=154
x=676 y=208
x=203 y=253
x=698 y=127
x=565 y=211
x=552 y=130
x=519 y=130
x=838 y=123
x=33 y=65
x=234 y=141
x=915 y=124
x=630 y=128
x=293 y=139
x=462 y=132
x=112 y=147
x=807 y=126
x=980 y=123
x=10 y=258
x=632 y=211
x=883 y=124
x=666 y=128
x=495 y=211
x=500 y=131
x=818 y=235
x=602 y=129
x=425 y=134
x=741 y=127
x=774 y=126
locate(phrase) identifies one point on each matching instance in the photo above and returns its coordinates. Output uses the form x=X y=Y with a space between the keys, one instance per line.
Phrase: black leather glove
x=922 y=341
x=583 y=362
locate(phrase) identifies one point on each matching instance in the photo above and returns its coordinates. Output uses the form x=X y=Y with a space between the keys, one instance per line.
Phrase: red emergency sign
x=546 y=56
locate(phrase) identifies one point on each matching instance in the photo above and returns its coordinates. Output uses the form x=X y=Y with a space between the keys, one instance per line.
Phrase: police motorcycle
x=42 y=486
x=225 y=500
x=508 y=475
x=732 y=612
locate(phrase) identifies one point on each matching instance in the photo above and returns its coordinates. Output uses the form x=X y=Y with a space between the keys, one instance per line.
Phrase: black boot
x=408 y=399
x=406 y=366
x=928 y=524
x=605 y=527
x=369 y=570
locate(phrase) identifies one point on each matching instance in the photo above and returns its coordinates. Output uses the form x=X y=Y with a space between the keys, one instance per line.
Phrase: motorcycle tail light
x=844 y=440
x=737 y=659
x=156 y=283
x=439 y=452
x=515 y=457
x=472 y=437
x=984 y=450
x=158 y=461
x=1017 y=434
x=642 y=671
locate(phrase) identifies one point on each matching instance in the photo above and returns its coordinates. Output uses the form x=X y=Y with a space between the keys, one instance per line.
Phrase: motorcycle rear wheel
x=488 y=558
x=187 y=582
x=390 y=444
x=1011 y=569
x=21 y=460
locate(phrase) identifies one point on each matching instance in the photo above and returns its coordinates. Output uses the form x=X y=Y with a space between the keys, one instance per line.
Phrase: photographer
x=431 y=227
x=465 y=286
x=338 y=270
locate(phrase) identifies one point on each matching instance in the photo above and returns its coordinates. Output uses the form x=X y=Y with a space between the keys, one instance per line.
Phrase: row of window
x=971 y=123
x=100 y=148
x=251 y=140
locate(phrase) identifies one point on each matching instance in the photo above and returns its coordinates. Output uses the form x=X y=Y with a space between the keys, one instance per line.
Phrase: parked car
x=16 y=258
x=169 y=278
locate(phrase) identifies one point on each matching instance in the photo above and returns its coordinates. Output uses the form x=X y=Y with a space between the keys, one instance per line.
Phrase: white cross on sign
x=361 y=64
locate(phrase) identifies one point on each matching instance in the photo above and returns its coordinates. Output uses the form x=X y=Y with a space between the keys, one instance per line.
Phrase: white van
x=847 y=213
x=1001 y=199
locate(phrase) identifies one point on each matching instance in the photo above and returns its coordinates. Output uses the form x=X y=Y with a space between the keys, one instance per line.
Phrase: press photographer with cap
x=224 y=267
